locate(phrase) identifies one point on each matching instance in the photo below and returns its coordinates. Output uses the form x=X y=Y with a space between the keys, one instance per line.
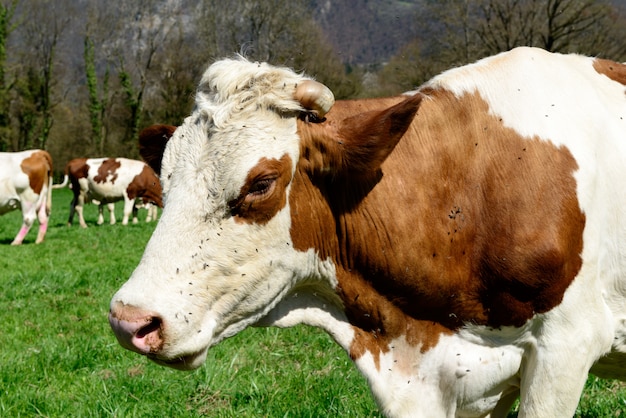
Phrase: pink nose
x=136 y=329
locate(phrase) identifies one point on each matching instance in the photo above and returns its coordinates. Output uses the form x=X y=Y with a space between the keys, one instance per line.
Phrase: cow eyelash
x=311 y=117
x=261 y=187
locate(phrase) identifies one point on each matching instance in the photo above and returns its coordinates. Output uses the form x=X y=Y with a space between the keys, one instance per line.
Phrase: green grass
x=58 y=357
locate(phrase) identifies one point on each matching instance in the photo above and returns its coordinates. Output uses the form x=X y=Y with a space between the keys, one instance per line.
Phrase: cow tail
x=61 y=185
x=50 y=182
x=49 y=200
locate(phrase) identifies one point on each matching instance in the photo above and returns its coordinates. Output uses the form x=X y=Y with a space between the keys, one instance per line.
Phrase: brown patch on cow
x=377 y=319
x=467 y=222
x=613 y=70
x=77 y=169
x=147 y=186
x=152 y=142
x=107 y=168
x=38 y=168
x=264 y=191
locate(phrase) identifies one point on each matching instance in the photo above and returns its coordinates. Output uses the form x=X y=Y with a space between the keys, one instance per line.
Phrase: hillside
x=371 y=31
x=367 y=31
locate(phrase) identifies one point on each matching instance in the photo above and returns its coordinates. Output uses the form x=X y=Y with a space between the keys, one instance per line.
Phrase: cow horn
x=315 y=96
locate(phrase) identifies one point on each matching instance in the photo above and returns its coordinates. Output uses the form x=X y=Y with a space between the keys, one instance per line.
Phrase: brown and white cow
x=465 y=244
x=108 y=180
x=26 y=184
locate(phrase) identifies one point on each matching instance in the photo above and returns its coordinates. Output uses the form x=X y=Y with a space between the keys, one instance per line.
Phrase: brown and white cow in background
x=108 y=180
x=26 y=184
x=466 y=244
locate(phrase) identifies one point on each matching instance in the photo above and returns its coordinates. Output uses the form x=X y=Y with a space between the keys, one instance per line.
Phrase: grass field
x=58 y=357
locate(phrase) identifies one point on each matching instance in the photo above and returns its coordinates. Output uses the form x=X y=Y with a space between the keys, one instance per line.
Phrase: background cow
x=26 y=184
x=108 y=180
x=151 y=209
x=465 y=244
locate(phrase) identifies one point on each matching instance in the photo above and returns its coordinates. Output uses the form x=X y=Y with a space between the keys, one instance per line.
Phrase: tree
x=101 y=41
x=504 y=25
x=275 y=31
x=456 y=32
x=554 y=25
x=147 y=25
x=41 y=33
x=178 y=75
x=7 y=11
x=97 y=97
x=405 y=71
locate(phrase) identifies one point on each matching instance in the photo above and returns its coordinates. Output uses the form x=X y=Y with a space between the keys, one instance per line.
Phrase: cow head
x=222 y=256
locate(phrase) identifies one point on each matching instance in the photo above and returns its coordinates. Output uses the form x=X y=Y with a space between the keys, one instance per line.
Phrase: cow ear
x=152 y=142
x=369 y=138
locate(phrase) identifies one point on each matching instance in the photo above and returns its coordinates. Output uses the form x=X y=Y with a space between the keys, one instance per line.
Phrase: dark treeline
x=82 y=78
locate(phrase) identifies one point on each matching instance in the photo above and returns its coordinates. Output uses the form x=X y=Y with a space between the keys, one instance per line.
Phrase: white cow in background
x=108 y=180
x=26 y=183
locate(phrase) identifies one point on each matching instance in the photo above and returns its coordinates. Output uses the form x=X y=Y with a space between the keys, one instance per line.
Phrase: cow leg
x=128 y=209
x=19 y=238
x=81 y=218
x=504 y=405
x=148 y=207
x=111 y=208
x=73 y=204
x=568 y=340
x=551 y=387
x=28 y=216
x=79 y=210
x=42 y=215
x=149 y=215
x=135 y=211
x=100 y=220
x=152 y=212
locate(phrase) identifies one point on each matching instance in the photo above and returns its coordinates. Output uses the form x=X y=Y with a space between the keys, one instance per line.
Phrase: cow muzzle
x=136 y=330
x=143 y=332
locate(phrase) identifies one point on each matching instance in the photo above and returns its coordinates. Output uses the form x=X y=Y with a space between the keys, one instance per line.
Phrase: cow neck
x=319 y=221
x=428 y=269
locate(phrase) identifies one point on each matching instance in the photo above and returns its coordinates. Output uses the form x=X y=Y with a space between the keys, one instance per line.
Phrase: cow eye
x=261 y=187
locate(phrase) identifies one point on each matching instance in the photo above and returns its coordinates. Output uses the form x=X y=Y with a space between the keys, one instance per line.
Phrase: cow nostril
x=136 y=329
x=148 y=338
x=153 y=326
